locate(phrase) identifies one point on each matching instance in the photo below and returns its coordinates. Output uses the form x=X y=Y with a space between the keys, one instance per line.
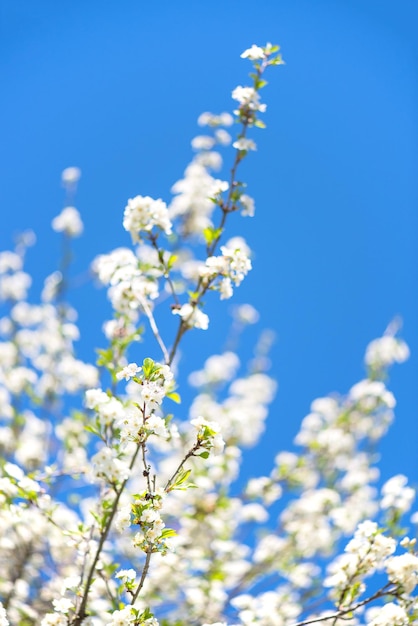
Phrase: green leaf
x=92 y=429
x=147 y=366
x=172 y=259
x=204 y=455
x=145 y=615
x=211 y=234
x=183 y=476
x=174 y=396
x=168 y=532
x=260 y=83
x=104 y=358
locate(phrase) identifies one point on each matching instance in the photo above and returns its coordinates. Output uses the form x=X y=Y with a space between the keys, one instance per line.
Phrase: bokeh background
x=116 y=88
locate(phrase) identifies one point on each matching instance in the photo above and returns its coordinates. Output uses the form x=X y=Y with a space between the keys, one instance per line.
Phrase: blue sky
x=116 y=89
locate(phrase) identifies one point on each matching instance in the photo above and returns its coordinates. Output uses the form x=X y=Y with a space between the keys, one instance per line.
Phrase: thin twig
x=154 y=327
x=143 y=577
x=339 y=614
x=81 y=612
x=187 y=456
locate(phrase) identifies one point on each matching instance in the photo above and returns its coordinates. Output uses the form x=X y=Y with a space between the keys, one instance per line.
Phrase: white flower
x=192 y=316
x=390 y=614
x=123 y=518
x=246 y=314
x=10 y=261
x=15 y=286
x=142 y=213
x=203 y=142
x=156 y=425
x=149 y=516
x=396 y=494
x=225 y=289
x=244 y=144
x=68 y=222
x=70 y=175
x=152 y=392
x=254 y=53
x=248 y=205
x=3 y=616
x=222 y=137
x=124 y=617
x=107 y=465
x=403 y=570
x=128 y=372
x=126 y=574
x=54 y=619
x=209 y=434
x=386 y=350
x=248 y=98
x=63 y=605
x=218 y=368
x=14 y=471
x=192 y=202
x=209 y=119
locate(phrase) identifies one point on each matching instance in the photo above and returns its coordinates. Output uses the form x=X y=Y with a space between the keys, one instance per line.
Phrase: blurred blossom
x=68 y=222
x=70 y=176
x=246 y=314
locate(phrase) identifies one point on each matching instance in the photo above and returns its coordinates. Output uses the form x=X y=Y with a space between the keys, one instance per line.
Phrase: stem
x=143 y=577
x=154 y=327
x=187 y=456
x=379 y=594
x=180 y=332
x=153 y=240
x=81 y=612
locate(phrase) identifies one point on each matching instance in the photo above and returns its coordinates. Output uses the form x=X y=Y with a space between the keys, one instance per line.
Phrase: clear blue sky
x=116 y=88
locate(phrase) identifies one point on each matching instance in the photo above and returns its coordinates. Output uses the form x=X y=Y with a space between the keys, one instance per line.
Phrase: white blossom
x=71 y=175
x=244 y=144
x=254 y=53
x=128 y=371
x=403 y=570
x=143 y=213
x=395 y=494
x=192 y=316
x=390 y=614
x=68 y=222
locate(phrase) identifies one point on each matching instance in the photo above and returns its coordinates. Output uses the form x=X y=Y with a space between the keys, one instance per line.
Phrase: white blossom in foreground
x=230 y=268
x=143 y=213
x=403 y=570
x=192 y=316
x=390 y=614
x=3 y=616
x=128 y=372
